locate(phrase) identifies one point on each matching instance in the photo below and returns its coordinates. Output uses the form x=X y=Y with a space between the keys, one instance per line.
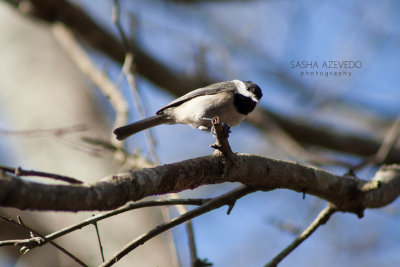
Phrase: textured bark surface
x=348 y=193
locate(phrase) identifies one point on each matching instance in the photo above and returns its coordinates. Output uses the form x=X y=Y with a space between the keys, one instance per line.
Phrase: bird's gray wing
x=211 y=89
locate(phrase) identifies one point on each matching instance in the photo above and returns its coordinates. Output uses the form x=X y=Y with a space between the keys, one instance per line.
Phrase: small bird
x=231 y=101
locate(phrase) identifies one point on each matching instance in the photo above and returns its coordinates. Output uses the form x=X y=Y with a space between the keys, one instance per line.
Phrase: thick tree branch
x=344 y=191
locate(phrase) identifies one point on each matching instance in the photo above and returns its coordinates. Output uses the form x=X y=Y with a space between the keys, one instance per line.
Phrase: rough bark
x=347 y=193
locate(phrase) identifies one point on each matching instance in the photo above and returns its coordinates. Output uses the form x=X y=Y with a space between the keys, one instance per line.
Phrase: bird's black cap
x=254 y=88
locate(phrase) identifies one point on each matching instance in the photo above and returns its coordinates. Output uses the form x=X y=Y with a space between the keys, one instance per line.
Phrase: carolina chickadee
x=231 y=101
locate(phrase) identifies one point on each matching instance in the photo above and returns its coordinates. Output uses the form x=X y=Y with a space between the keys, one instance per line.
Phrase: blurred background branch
x=178 y=83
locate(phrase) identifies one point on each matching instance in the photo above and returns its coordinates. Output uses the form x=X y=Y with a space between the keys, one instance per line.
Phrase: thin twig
x=98 y=217
x=133 y=161
x=68 y=41
x=58 y=133
x=46 y=132
x=208 y=206
x=173 y=252
x=285 y=226
x=99 y=240
x=192 y=243
x=21 y=172
x=388 y=143
x=130 y=77
x=25 y=249
x=281 y=139
x=189 y=231
x=321 y=219
x=115 y=18
x=106 y=145
x=132 y=84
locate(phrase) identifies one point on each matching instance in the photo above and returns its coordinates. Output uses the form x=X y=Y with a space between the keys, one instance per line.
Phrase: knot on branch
x=355 y=204
x=383 y=189
x=33 y=242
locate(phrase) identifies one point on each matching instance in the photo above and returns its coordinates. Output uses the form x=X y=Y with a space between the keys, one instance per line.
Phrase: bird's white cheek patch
x=242 y=88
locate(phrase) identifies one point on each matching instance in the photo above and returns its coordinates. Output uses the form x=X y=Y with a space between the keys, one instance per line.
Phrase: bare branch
x=46 y=132
x=116 y=190
x=35 y=241
x=189 y=229
x=322 y=218
x=388 y=143
x=173 y=253
x=115 y=19
x=127 y=68
x=99 y=240
x=303 y=132
x=39 y=237
x=192 y=243
x=68 y=41
x=209 y=205
x=21 y=172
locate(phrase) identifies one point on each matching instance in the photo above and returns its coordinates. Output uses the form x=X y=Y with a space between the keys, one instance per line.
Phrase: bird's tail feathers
x=130 y=129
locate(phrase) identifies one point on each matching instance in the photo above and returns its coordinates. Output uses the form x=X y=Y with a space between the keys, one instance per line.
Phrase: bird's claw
x=226 y=130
